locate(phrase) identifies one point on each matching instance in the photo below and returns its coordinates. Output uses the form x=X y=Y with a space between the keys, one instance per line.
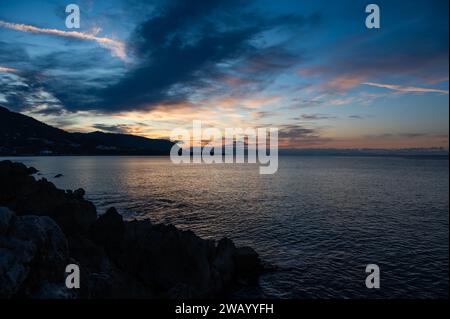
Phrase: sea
x=318 y=222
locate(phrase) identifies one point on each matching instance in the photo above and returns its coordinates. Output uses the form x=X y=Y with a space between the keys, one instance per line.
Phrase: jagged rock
x=33 y=250
x=182 y=291
x=15 y=257
x=24 y=195
x=117 y=258
x=224 y=260
x=89 y=255
x=100 y=285
x=163 y=257
x=136 y=229
x=79 y=193
x=32 y=170
x=74 y=215
x=47 y=290
x=248 y=263
x=6 y=217
x=233 y=263
x=108 y=230
x=58 y=175
x=115 y=283
x=14 y=168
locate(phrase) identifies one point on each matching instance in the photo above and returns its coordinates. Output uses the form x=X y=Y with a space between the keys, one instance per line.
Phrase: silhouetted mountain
x=123 y=141
x=23 y=135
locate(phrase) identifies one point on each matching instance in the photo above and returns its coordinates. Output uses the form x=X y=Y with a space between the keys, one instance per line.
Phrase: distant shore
x=420 y=153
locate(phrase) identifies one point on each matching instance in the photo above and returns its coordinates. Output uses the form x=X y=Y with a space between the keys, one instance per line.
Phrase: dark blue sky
x=311 y=68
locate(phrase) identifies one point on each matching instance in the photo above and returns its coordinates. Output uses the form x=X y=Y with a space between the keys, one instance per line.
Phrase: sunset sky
x=310 y=68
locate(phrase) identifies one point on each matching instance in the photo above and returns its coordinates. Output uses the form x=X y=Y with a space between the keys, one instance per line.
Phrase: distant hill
x=433 y=152
x=24 y=135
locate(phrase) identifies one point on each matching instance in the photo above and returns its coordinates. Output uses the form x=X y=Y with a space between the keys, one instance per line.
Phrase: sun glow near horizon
x=325 y=81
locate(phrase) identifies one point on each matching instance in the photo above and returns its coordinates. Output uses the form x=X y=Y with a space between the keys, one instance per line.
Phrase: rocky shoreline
x=43 y=229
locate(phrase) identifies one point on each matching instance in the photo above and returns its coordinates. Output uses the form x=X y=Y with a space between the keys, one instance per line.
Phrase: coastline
x=43 y=229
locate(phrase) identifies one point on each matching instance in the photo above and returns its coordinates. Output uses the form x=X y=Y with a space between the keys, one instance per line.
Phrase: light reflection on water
x=320 y=219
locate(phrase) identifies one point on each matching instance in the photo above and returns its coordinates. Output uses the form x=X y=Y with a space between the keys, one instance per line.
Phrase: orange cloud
x=342 y=82
x=345 y=82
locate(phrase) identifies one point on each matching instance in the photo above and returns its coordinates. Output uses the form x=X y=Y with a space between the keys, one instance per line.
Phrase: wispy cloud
x=7 y=70
x=356 y=117
x=406 y=89
x=116 y=47
x=316 y=117
x=297 y=136
x=121 y=128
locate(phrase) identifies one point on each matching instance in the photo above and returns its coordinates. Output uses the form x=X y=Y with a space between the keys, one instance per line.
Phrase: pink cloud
x=8 y=70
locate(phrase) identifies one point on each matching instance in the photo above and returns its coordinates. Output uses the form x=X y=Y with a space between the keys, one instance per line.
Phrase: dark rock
x=79 y=193
x=236 y=263
x=32 y=170
x=101 y=285
x=164 y=257
x=48 y=290
x=182 y=291
x=6 y=217
x=15 y=258
x=108 y=230
x=24 y=195
x=114 y=283
x=136 y=229
x=14 y=168
x=33 y=252
x=224 y=261
x=58 y=175
x=88 y=254
x=248 y=263
x=117 y=258
x=74 y=215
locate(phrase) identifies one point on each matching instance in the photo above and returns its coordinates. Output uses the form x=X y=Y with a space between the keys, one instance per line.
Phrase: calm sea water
x=321 y=220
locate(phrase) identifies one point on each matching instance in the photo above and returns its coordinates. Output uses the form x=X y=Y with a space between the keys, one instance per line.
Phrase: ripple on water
x=321 y=220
